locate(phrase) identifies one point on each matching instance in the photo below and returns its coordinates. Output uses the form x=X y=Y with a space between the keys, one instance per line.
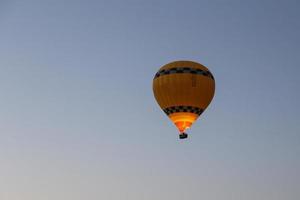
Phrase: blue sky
x=78 y=118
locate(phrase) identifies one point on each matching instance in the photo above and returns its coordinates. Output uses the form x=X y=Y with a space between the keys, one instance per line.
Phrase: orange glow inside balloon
x=183 y=120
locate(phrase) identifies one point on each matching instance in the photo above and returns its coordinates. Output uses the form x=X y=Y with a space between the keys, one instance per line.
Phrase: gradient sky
x=78 y=119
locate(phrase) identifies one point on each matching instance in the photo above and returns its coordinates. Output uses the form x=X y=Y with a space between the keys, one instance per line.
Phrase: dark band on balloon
x=176 y=109
x=180 y=70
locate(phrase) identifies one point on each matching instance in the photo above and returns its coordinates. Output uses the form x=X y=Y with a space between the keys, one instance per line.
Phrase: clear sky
x=78 y=119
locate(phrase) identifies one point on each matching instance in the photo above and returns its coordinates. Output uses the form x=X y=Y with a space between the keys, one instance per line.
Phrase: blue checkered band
x=178 y=70
x=176 y=109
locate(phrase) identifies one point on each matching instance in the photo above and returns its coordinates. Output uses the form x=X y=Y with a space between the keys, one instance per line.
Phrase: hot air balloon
x=183 y=90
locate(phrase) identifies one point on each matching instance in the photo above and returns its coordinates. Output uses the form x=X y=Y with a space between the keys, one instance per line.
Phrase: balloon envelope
x=183 y=89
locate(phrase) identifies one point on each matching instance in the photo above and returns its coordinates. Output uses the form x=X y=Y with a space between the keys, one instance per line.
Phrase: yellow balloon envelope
x=183 y=89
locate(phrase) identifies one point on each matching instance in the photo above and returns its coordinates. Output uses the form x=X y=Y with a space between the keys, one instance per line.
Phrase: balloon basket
x=183 y=136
